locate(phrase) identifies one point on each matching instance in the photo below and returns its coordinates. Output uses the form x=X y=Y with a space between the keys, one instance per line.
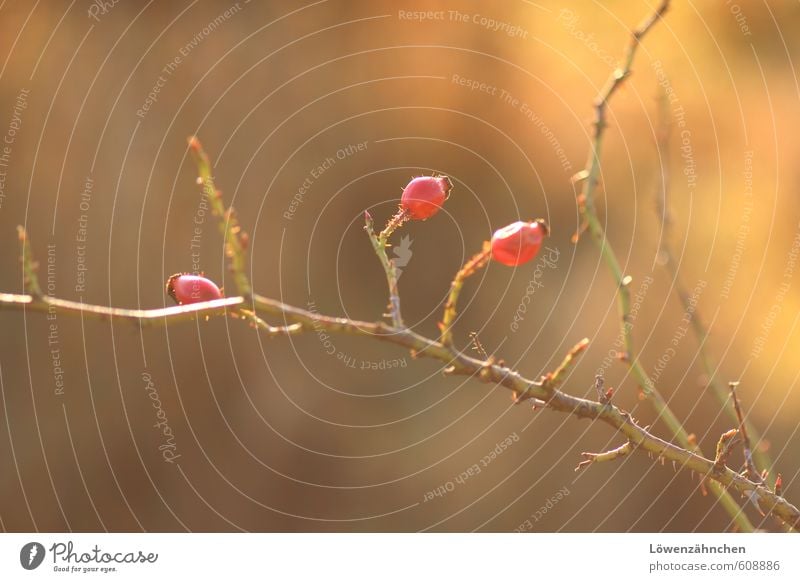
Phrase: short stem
x=379 y=246
x=470 y=267
x=30 y=279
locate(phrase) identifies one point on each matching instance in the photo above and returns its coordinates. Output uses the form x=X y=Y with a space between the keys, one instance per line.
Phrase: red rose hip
x=518 y=242
x=424 y=196
x=186 y=289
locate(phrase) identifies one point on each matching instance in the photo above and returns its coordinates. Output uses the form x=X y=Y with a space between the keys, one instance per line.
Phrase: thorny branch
x=750 y=468
x=236 y=241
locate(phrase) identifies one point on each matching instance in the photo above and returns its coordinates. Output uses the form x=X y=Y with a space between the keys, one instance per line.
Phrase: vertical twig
x=591 y=222
x=379 y=245
x=750 y=468
x=469 y=268
x=399 y=219
x=29 y=266
x=235 y=242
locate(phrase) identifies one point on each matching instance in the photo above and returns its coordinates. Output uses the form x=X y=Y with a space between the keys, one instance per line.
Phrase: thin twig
x=666 y=257
x=556 y=377
x=750 y=468
x=379 y=246
x=235 y=241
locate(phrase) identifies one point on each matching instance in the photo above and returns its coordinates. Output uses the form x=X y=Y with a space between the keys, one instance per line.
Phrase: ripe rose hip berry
x=519 y=242
x=424 y=196
x=184 y=288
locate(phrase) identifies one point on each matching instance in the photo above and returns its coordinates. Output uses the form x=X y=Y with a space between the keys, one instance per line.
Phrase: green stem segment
x=399 y=219
x=473 y=265
x=30 y=279
x=235 y=245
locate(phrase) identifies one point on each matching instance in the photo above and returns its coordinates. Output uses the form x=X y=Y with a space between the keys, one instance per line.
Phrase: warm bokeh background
x=277 y=434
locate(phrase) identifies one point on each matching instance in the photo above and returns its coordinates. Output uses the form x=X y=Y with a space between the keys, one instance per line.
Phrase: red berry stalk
x=513 y=245
x=473 y=265
x=421 y=199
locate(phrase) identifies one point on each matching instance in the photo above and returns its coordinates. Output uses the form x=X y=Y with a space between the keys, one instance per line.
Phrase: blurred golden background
x=96 y=102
